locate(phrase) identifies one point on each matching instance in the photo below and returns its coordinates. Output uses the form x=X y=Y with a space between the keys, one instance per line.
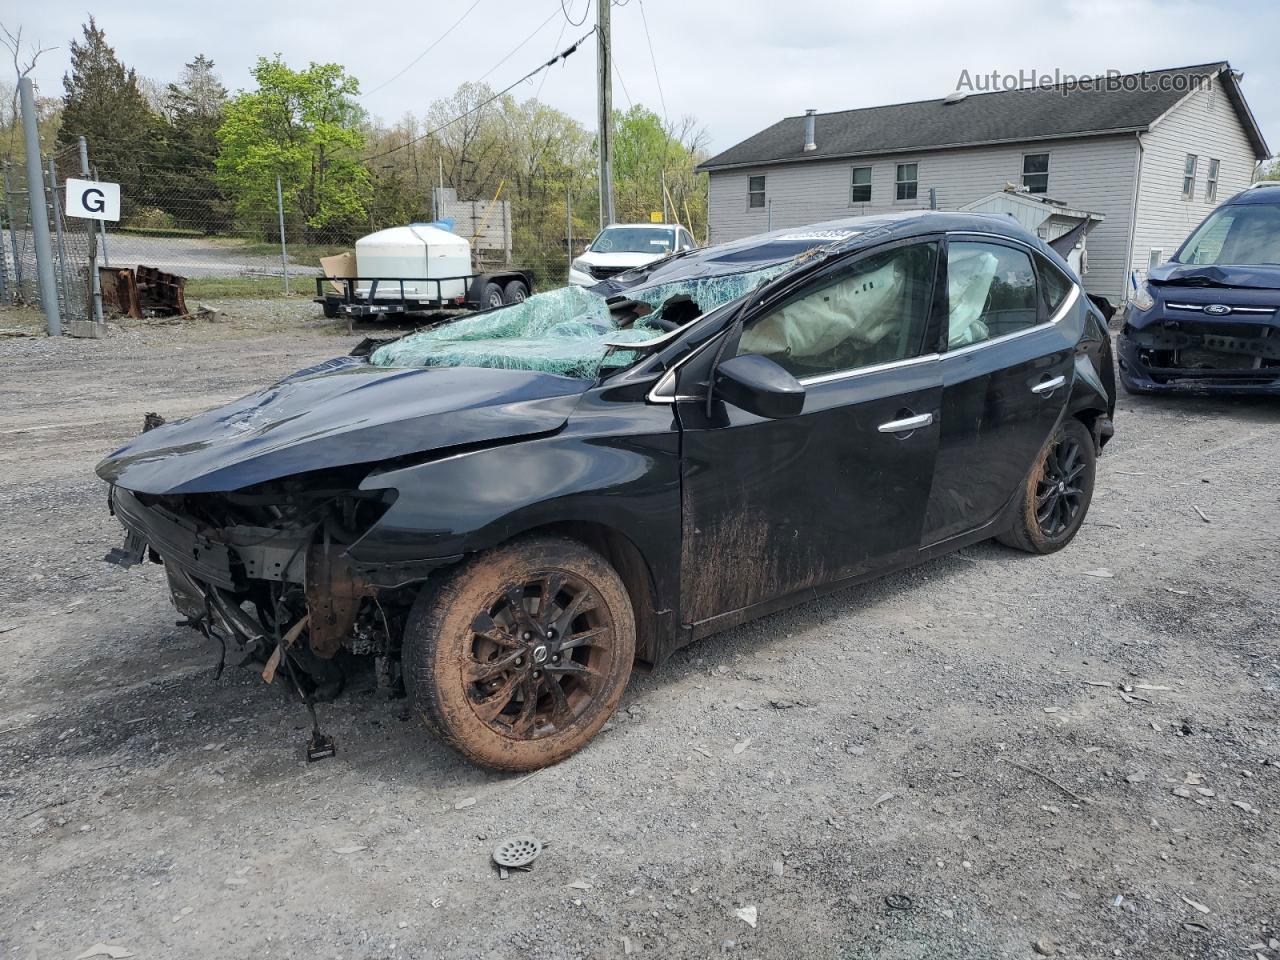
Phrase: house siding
x=1094 y=174
x=1206 y=124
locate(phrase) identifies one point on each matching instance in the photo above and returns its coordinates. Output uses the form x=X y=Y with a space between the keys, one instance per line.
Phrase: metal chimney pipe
x=810 y=122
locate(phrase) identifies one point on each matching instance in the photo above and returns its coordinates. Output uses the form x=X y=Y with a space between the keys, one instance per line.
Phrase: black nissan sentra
x=510 y=510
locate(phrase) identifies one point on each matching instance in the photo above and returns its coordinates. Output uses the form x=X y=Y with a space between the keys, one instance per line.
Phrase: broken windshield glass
x=565 y=331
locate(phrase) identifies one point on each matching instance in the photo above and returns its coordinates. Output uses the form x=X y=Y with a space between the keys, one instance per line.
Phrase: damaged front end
x=268 y=568
x=1194 y=340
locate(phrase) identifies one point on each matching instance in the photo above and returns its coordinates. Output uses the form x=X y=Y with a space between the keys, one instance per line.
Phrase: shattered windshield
x=564 y=331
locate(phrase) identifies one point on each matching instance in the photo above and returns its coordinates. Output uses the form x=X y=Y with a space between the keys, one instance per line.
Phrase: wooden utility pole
x=604 y=70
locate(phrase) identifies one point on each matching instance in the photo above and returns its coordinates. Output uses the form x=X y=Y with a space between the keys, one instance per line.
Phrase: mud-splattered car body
x=337 y=498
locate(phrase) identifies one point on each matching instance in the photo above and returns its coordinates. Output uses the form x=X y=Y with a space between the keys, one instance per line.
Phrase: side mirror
x=758 y=385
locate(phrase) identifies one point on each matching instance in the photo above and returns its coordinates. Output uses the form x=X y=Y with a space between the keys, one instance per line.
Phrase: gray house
x=1152 y=153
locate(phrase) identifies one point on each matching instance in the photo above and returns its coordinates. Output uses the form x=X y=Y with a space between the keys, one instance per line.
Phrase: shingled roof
x=986 y=118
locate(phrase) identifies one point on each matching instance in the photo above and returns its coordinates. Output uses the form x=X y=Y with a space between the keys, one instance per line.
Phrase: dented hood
x=339 y=413
x=1263 y=276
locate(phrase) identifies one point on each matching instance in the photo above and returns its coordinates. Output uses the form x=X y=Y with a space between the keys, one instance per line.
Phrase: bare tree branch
x=12 y=42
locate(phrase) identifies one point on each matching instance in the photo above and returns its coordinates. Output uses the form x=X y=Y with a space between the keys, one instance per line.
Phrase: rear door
x=772 y=507
x=1007 y=368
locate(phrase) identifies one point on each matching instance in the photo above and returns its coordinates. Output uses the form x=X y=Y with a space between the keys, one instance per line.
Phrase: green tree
x=647 y=151
x=189 y=152
x=1270 y=171
x=103 y=103
x=304 y=127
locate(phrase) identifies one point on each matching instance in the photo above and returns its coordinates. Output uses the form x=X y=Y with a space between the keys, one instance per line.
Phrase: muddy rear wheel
x=522 y=654
x=1058 y=492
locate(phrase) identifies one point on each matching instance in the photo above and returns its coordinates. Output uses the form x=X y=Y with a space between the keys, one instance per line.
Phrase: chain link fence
x=231 y=247
x=72 y=240
x=180 y=221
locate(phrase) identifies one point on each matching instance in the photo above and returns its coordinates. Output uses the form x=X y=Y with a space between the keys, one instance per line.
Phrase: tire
x=330 y=308
x=515 y=292
x=491 y=296
x=470 y=667
x=1051 y=513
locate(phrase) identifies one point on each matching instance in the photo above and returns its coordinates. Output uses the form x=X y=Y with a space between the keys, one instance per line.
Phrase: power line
x=656 y=75
x=564 y=54
x=537 y=30
x=617 y=72
x=415 y=60
x=585 y=13
x=559 y=37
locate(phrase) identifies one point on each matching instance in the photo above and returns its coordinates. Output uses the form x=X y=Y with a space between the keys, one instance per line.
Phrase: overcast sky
x=735 y=65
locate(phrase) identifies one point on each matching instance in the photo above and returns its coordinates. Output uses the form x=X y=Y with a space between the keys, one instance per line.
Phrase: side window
x=907 y=181
x=1054 y=285
x=686 y=240
x=874 y=311
x=755 y=192
x=860 y=185
x=1035 y=172
x=991 y=291
x=1189 y=177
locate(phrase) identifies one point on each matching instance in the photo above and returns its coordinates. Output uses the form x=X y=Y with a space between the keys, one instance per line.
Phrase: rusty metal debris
x=143 y=292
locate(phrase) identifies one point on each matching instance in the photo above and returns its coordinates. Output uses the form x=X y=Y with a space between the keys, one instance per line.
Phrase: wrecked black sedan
x=1208 y=321
x=511 y=510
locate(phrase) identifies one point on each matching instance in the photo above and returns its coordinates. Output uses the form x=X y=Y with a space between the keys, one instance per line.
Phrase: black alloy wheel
x=539 y=656
x=519 y=655
x=1057 y=494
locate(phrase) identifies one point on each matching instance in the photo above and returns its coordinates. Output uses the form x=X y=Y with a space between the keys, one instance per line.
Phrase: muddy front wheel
x=519 y=658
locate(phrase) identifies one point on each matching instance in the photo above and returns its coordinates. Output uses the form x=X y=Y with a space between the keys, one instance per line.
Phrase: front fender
x=615 y=465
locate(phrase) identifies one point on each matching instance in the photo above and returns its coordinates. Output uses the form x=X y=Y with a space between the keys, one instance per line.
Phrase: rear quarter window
x=1054 y=284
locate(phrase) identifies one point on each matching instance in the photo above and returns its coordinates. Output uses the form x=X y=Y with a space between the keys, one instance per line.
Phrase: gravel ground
x=991 y=755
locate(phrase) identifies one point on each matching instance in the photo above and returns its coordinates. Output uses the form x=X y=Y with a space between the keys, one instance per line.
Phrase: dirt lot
x=943 y=764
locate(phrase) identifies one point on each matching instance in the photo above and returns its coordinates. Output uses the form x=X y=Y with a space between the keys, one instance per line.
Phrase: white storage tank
x=415 y=252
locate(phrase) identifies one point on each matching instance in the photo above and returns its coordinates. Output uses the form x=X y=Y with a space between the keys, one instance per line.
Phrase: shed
x=1047 y=218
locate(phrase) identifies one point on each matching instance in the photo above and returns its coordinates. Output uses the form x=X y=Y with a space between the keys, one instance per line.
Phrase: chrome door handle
x=907 y=424
x=1048 y=386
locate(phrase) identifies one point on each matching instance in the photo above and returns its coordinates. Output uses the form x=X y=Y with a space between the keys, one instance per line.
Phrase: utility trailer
x=418 y=269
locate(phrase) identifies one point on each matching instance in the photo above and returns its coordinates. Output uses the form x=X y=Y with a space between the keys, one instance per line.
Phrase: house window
x=1155 y=258
x=1211 y=184
x=907 y=181
x=860 y=185
x=755 y=192
x=1035 y=172
x=1189 y=177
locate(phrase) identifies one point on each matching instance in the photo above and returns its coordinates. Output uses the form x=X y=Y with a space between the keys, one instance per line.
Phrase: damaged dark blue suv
x=1207 y=320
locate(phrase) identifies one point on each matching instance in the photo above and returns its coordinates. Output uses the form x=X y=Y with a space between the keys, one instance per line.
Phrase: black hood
x=341 y=412
x=1261 y=276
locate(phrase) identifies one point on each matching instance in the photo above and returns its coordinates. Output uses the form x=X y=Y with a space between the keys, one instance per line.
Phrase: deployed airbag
x=969 y=277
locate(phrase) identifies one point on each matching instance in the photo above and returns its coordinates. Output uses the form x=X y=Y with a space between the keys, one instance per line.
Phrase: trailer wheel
x=491 y=296
x=515 y=292
x=330 y=308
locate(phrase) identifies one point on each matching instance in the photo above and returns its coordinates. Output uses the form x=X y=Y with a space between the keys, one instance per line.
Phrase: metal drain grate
x=516 y=852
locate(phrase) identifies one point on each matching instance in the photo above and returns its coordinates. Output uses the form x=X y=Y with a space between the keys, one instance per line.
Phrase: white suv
x=621 y=246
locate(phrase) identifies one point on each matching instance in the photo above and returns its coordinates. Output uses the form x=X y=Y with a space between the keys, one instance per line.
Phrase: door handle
x=907 y=424
x=1046 y=387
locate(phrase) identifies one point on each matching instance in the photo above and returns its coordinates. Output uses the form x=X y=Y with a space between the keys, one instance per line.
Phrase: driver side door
x=771 y=508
